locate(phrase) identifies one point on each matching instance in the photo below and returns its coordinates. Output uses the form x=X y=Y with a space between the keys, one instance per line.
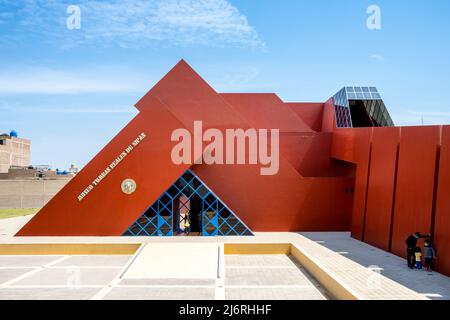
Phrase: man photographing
x=411 y=244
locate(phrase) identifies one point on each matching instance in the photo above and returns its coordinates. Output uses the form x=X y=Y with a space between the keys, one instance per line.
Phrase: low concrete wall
x=28 y=193
x=70 y=248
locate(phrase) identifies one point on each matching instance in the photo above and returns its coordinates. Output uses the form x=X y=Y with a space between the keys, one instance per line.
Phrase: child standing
x=418 y=254
x=429 y=254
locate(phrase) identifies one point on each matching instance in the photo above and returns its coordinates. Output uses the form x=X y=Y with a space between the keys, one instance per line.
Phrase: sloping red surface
x=311 y=113
x=266 y=110
x=106 y=210
x=285 y=201
x=190 y=99
x=241 y=187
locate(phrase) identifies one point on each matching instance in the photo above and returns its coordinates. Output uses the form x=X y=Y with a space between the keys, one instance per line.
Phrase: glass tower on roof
x=360 y=107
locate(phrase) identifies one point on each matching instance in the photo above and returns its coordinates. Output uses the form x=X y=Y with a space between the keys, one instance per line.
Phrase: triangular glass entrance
x=188 y=207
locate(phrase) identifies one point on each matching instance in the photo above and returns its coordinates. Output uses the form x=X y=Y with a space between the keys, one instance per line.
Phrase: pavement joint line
x=214 y=286
x=261 y=267
x=219 y=292
x=269 y=286
x=21 y=277
x=43 y=286
x=29 y=255
x=220 y=261
x=256 y=254
x=29 y=267
x=84 y=267
x=107 y=289
x=131 y=261
x=163 y=286
x=56 y=261
x=100 y=255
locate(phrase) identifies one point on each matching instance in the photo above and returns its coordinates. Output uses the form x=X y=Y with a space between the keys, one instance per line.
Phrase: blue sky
x=71 y=91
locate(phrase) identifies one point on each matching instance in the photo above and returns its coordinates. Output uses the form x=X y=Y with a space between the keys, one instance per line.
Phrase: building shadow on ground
x=433 y=285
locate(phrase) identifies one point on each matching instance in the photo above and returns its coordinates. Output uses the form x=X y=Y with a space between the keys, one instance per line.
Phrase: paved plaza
x=432 y=285
x=102 y=277
x=198 y=268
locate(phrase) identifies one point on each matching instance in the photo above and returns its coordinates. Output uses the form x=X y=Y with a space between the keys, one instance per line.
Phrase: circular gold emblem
x=128 y=186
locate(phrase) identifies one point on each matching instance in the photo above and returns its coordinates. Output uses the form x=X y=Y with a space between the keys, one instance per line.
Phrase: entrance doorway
x=188 y=207
x=188 y=215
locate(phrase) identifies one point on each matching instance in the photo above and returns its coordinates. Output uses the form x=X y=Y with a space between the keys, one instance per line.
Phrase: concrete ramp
x=175 y=261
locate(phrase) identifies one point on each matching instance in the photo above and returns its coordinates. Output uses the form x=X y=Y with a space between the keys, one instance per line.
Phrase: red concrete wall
x=282 y=202
x=310 y=154
x=344 y=144
x=380 y=193
x=311 y=113
x=415 y=184
x=407 y=190
x=442 y=218
x=328 y=116
x=266 y=110
x=106 y=210
x=353 y=145
x=254 y=198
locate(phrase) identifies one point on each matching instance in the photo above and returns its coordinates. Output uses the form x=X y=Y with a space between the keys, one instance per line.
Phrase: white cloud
x=80 y=110
x=132 y=23
x=377 y=57
x=52 y=81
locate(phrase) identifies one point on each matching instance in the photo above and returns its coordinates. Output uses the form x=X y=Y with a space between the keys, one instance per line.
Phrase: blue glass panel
x=216 y=218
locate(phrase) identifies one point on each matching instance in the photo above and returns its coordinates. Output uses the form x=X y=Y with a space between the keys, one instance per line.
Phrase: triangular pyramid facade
x=94 y=204
x=188 y=199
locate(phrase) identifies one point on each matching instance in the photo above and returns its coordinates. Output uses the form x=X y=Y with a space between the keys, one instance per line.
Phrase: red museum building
x=343 y=166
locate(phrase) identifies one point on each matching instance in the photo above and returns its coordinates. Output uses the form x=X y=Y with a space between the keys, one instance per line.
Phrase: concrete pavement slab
x=47 y=293
x=177 y=261
x=126 y=293
x=8 y=274
x=95 y=261
x=26 y=261
x=168 y=282
x=258 y=261
x=70 y=276
x=265 y=277
x=274 y=294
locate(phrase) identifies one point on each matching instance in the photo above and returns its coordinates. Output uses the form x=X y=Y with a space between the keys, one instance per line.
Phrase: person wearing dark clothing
x=429 y=254
x=200 y=223
x=411 y=244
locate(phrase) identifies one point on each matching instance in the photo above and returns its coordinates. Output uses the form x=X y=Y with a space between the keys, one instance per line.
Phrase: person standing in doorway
x=200 y=224
x=187 y=226
x=411 y=244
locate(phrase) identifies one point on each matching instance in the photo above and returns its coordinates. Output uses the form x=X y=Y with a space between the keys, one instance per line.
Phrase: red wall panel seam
x=367 y=192
x=435 y=190
x=394 y=194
